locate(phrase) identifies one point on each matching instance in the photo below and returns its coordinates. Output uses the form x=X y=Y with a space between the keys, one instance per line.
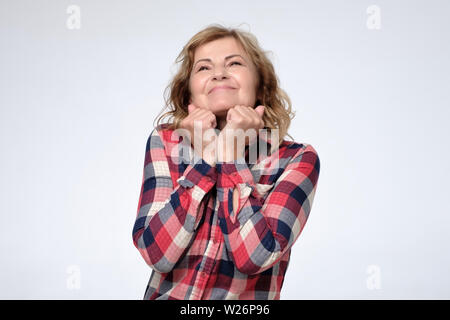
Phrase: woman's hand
x=239 y=117
x=203 y=144
x=243 y=117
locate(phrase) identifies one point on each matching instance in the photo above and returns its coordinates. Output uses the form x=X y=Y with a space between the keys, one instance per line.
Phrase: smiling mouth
x=221 y=88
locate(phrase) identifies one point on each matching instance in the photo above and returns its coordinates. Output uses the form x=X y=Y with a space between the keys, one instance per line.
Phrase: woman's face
x=222 y=62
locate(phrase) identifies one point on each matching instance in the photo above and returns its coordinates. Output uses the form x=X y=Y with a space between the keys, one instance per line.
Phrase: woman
x=221 y=226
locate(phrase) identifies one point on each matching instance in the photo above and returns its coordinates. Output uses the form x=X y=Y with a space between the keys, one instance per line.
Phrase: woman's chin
x=221 y=110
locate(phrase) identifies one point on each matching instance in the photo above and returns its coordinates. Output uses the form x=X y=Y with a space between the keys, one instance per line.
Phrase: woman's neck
x=221 y=123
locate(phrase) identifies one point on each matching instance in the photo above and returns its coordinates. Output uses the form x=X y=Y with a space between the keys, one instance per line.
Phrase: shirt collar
x=264 y=136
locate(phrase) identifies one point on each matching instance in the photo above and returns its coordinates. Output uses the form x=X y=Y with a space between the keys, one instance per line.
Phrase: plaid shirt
x=198 y=247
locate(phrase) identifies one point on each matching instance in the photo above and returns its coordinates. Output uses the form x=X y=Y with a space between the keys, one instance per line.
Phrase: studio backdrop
x=82 y=81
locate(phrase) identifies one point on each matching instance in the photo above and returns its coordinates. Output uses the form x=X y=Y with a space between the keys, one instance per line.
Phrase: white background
x=77 y=106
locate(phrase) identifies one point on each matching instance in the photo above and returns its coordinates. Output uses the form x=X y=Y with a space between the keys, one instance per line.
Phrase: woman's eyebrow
x=226 y=58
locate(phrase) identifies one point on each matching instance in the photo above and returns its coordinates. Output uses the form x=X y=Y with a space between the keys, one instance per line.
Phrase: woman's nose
x=220 y=74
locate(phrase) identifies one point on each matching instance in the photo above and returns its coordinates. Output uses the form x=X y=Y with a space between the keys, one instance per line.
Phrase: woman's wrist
x=228 y=150
x=209 y=159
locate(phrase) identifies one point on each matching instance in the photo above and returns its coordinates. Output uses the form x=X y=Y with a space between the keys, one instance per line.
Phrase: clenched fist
x=239 y=117
x=200 y=123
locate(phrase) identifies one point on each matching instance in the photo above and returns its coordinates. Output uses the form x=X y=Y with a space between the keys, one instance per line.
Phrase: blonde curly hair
x=278 y=108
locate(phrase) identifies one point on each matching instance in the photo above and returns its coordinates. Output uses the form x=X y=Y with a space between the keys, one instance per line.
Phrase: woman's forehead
x=223 y=47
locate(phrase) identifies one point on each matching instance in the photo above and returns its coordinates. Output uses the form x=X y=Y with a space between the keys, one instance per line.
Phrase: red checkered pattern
x=188 y=233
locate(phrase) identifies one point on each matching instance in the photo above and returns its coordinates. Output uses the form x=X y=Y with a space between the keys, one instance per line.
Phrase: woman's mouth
x=217 y=88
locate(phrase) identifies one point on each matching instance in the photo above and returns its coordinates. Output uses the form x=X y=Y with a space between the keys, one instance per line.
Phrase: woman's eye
x=201 y=68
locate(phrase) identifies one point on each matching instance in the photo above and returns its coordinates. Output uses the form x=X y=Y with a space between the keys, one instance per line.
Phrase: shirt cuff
x=201 y=174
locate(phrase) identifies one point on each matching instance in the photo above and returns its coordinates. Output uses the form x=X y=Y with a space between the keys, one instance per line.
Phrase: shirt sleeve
x=264 y=227
x=168 y=216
